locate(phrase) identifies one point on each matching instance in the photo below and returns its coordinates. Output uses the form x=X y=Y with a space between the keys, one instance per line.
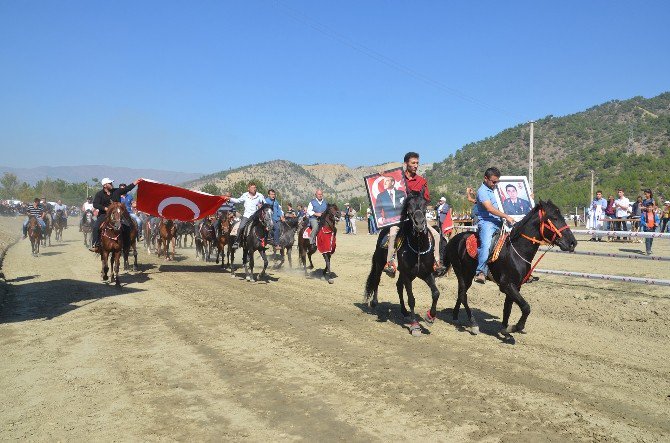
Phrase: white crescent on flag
x=179 y=201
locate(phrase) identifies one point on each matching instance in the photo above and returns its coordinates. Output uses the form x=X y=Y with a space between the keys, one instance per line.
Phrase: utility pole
x=592 y=176
x=530 y=159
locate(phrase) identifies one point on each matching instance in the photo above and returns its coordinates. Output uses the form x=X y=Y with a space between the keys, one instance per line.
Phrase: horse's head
x=89 y=216
x=265 y=217
x=553 y=228
x=414 y=210
x=115 y=212
x=225 y=222
x=331 y=215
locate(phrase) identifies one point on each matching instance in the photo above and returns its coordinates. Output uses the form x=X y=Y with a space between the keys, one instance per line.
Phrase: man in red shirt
x=413 y=182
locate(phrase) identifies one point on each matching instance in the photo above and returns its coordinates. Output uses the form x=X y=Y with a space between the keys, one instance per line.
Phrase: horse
x=167 y=231
x=150 y=234
x=87 y=227
x=112 y=241
x=414 y=257
x=59 y=224
x=224 y=223
x=256 y=230
x=287 y=230
x=130 y=242
x=328 y=223
x=543 y=225
x=185 y=230
x=49 y=227
x=35 y=234
x=207 y=238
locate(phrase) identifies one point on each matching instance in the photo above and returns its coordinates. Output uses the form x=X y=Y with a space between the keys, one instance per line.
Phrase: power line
x=329 y=32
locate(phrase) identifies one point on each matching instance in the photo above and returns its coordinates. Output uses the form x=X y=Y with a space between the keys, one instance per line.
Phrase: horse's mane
x=410 y=199
x=112 y=206
x=518 y=227
x=291 y=222
x=324 y=216
x=255 y=218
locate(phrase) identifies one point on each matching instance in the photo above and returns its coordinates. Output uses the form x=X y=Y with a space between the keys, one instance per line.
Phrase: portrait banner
x=387 y=193
x=513 y=196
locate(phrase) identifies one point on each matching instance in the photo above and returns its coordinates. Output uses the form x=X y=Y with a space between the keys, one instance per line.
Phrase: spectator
x=622 y=206
x=353 y=221
x=596 y=215
x=610 y=213
x=665 y=215
x=649 y=222
x=371 y=222
x=347 y=219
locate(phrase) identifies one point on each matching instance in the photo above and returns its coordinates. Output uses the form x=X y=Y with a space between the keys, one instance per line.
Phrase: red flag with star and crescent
x=173 y=202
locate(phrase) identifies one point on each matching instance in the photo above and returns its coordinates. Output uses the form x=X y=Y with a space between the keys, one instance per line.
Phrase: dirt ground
x=185 y=352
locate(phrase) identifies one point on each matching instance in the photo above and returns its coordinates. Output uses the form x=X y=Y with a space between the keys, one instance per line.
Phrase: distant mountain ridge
x=83 y=173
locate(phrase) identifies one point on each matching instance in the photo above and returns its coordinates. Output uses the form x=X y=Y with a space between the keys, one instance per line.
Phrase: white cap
x=667 y=202
x=442 y=199
x=106 y=180
x=346 y=204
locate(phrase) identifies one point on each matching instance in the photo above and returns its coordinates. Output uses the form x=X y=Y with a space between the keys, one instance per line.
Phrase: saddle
x=385 y=241
x=325 y=239
x=472 y=243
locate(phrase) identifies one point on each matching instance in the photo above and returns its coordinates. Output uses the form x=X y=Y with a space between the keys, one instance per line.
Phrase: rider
x=413 y=182
x=314 y=210
x=252 y=200
x=226 y=208
x=37 y=210
x=87 y=206
x=127 y=200
x=61 y=207
x=489 y=220
x=103 y=198
x=277 y=216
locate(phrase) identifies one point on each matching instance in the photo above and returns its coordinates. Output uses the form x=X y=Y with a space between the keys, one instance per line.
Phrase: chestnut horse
x=327 y=220
x=167 y=233
x=224 y=224
x=111 y=236
x=35 y=234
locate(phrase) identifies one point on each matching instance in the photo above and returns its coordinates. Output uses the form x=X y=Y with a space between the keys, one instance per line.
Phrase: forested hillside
x=626 y=143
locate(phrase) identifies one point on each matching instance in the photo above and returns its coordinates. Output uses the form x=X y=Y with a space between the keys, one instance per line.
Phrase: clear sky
x=202 y=86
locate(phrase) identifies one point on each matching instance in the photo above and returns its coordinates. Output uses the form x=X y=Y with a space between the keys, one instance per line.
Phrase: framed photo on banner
x=513 y=196
x=387 y=193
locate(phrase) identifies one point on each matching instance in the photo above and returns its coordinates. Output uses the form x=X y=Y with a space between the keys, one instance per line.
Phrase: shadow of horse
x=320 y=274
x=488 y=324
x=390 y=312
x=47 y=254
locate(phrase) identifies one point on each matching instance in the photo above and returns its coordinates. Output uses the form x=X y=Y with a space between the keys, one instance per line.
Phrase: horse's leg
x=507 y=310
x=399 y=286
x=414 y=327
x=105 y=268
x=265 y=262
x=288 y=255
x=516 y=297
x=326 y=272
x=173 y=244
x=309 y=255
x=117 y=263
x=435 y=293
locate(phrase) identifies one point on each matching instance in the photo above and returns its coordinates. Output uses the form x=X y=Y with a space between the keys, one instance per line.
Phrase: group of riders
x=490 y=217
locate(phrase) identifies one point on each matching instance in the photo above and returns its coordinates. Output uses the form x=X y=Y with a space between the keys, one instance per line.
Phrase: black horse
x=414 y=256
x=544 y=225
x=253 y=239
x=287 y=230
x=328 y=221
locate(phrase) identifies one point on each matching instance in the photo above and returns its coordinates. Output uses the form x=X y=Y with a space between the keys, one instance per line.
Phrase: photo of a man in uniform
x=389 y=202
x=513 y=205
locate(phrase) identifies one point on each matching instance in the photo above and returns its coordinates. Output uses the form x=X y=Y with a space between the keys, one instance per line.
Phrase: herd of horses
x=544 y=225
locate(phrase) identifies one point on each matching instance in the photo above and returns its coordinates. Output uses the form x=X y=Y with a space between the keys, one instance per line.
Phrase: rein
x=543 y=240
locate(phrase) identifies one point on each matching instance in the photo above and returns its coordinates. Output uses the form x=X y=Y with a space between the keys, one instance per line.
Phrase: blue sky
x=204 y=86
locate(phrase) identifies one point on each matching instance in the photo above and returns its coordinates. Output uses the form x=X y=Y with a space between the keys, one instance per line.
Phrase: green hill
x=626 y=143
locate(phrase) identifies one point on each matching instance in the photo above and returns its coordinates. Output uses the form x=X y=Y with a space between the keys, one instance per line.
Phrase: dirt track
x=183 y=351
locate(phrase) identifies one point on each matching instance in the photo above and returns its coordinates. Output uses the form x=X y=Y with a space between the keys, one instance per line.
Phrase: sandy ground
x=185 y=352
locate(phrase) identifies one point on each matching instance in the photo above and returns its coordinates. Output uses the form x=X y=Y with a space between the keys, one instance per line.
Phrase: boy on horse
x=413 y=182
x=314 y=210
x=103 y=198
x=36 y=210
x=252 y=200
x=490 y=220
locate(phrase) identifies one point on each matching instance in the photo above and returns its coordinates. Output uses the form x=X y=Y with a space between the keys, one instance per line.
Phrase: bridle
x=546 y=225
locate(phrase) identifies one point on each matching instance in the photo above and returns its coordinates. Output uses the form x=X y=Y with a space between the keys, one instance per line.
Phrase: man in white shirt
x=316 y=207
x=59 y=206
x=622 y=205
x=87 y=206
x=252 y=200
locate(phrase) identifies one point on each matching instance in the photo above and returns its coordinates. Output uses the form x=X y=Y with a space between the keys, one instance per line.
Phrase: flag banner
x=448 y=223
x=173 y=202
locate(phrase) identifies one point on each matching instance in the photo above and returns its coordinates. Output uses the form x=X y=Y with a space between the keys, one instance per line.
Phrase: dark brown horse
x=111 y=236
x=167 y=232
x=224 y=223
x=46 y=235
x=184 y=231
x=207 y=236
x=327 y=221
x=35 y=234
x=87 y=227
x=130 y=242
x=59 y=224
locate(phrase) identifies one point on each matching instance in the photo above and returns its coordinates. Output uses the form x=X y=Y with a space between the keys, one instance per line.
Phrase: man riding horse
x=277 y=217
x=316 y=207
x=490 y=220
x=413 y=182
x=35 y=210
x=87 y=206
x=252 y=200
x=101 y=202
x=63 y=214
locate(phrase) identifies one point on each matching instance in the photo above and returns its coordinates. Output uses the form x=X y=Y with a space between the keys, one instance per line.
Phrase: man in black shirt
x=101 y=202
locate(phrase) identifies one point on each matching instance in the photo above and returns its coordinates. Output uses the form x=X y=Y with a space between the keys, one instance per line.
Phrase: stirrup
x=439 y=269
x=390 y=268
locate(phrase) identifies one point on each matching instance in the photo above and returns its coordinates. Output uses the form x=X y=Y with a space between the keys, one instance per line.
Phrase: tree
x=211 y=188
x=10 y=185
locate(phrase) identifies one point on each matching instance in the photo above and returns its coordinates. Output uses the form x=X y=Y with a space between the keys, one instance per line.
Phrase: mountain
x=83 y=173
x=625 y=142
x=296 y=182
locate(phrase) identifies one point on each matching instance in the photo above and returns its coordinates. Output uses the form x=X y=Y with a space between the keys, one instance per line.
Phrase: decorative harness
x=545 y=224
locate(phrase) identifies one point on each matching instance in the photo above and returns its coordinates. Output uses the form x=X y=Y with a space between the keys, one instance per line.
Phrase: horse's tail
x=372 y=283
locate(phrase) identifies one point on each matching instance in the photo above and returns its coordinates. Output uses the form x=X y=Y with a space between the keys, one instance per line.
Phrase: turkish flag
x=175 y=203
x=447 y=224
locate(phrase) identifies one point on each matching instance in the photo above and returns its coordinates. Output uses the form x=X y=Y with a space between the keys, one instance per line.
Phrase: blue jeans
x=347 y=225
x=138 y=220
x=486 y=231
x=39 y=220
x=648 y=241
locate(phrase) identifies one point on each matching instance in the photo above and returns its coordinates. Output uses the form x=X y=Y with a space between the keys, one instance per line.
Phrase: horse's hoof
x=105 y=278
x=474 y=330
x=373 y=304
x=330 y=281
x=247 y=278
x=510 y=329
x=429 y=318
x=415 y=329
x=407 y=319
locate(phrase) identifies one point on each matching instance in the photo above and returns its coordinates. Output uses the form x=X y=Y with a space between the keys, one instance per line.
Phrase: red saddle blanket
x=472 y=244
x=325 y=240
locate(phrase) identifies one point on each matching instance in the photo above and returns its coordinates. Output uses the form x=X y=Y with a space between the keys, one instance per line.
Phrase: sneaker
x=480 y=278
x=390 y=269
